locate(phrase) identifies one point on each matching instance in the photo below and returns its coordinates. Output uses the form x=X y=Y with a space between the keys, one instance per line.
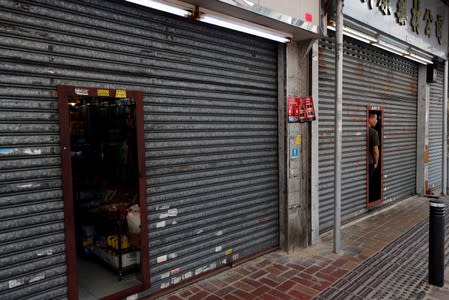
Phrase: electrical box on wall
x=301 y=109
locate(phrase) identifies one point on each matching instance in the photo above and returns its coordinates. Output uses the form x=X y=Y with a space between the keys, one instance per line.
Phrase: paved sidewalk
x=308 y=272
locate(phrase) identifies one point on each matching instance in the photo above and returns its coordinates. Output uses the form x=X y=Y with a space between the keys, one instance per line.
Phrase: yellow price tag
x=102 y=93
x=228 y=252
x=120 y=93
x=298 y=139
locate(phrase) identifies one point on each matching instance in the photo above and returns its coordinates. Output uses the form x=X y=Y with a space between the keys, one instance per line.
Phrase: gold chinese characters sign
x=421 y=19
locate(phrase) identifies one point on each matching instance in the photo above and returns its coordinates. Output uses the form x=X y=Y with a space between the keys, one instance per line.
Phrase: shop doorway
x=374 y=156
x=104 y=192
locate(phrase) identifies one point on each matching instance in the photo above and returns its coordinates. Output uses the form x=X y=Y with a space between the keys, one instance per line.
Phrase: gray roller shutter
x=436 y=133
x=210 y=135
x=371 y=76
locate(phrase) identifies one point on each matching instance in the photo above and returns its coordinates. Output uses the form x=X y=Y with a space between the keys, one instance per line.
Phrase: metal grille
x=371 y=76
x=210 y=135
x=436 y=133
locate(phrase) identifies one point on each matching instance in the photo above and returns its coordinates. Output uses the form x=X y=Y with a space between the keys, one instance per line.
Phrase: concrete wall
x=294 y=8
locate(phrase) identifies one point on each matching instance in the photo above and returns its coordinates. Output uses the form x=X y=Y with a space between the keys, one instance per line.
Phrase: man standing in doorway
x=374 y=153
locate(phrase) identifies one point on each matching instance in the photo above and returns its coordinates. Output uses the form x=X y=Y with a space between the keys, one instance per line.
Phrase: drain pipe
x=338 y=123
x=445 y=98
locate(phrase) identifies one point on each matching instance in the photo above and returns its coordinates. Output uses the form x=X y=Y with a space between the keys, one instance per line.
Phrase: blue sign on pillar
x=295 y=152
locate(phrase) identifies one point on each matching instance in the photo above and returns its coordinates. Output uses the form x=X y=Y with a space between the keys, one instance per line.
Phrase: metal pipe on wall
x=445 y=98
x=338 y=123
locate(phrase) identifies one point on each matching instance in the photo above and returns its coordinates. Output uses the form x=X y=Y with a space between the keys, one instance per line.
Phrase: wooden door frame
x=64 y=92
x=381 y=153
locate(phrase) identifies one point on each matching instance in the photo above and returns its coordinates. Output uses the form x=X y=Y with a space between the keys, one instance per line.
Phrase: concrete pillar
x=296 y=210
x=422 y=151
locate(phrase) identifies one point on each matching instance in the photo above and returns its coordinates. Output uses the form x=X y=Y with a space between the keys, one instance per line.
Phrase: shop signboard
x=420 y=23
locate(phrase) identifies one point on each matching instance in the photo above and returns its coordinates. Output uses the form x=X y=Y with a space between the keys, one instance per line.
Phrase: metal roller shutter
x=436 y=133
x=210 y=135
x=371 y=76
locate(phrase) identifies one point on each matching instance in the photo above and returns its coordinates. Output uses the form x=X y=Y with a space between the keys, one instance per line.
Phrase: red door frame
x=64 y=92
x=370 y=204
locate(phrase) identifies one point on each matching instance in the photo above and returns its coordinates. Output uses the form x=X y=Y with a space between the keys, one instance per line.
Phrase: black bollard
x=436 y=242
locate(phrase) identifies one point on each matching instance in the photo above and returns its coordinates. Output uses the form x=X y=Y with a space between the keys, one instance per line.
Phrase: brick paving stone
x=199 y=295
x=243 y=295
x=303 y=281
x=280 y=267
x=298 y=295
x=231 y=297
x=243 y=286
x=322 y=285
x=243 y=271
x=208 y=286
x=232 y=278
x=312 y=269
x=257 y=274
x=286 y=286
x=213 y=297
x=251 y=282
x=276 y=278
x=296 y=266
x=290 y=273
x=327 y=277
x=185 y=294
x=225 y=291
x=263 y=263
x=305 y=289
x=174 y=297
x=306 y=276
x=218 y=283
x=269 y=282
x=261 y=291
x=273 y=270
x=279 y=295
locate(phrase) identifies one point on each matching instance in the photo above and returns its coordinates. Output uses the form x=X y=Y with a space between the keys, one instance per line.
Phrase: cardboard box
x=128 y=259
x=134 y=240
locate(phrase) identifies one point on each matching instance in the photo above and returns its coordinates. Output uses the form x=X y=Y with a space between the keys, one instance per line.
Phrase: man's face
x=372 y=120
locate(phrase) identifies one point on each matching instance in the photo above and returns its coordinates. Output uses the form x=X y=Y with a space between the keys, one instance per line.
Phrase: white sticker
x=161 y=259
x=162 y=207
x=173 y=255
x=160 y=224
x=198 y=271
x=175 y=271
x=165 y=284
x=175 y=280
x=187 y=275
x=16 y=282
x=219 y=233
x=224 y=262
x=213 y=266
x=163 y=216
x=174 y=222
x=173 y=212
x=165 y=275
x=218 y=249
x=82 y=92
x=38 y=277
x=32 y=151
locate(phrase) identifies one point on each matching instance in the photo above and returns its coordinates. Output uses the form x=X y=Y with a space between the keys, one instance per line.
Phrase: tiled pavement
x=307 y=272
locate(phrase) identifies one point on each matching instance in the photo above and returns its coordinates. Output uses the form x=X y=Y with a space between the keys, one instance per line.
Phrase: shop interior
x=375 y=182
x=105 y=194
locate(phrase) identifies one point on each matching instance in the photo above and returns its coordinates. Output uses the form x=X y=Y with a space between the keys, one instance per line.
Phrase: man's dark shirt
x=373 y=141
